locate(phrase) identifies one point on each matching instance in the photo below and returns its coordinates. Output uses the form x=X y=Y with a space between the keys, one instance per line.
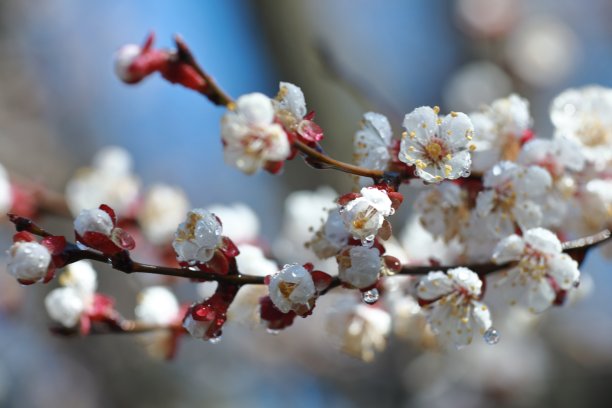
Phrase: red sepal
x=98 y=241
x=346 y=198
x=310 y=132
x=274 y=167
x=218 y=264
x=214 y=310
x=527 y=135
x=23 y=236
x=228 y=248
x=55 y=244
x=110 y=212
x=321 y=280
x=274 y=318
x=396 y=199
x=392 y=263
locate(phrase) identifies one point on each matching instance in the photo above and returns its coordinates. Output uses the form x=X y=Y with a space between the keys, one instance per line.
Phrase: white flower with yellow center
x=196 y=239
x=365 y=215
x=250 y=136
x=371 y=144
x=585 y=114
x=451 y=302
x=439 y=148
x=542 y=270
x=512 y=197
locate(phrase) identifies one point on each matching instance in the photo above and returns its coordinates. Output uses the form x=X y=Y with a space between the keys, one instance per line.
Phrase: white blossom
x=124 y=57
x=443 y=210
x=65 y=305
x=68 y=303
x=240 y=223
x=557 y=155
x=542 y=269
x=157 y=305
x=109 y=180
x=94 y=220
x=365 y=215
x=331 y=237
x=585 y=114
x=250 y=135
x=6 y=196
x=454 y=312
x=292 y=289
x=511 y=196
x=244 y=307
x=498 y=130
x=28 y=261
x=372 y=143
x=359 y=266
x=439 y=148
x=162 y=210
x=360 y=331
x=196 y=239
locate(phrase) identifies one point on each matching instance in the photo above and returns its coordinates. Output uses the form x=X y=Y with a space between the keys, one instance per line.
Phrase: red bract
x=102 y=310
x=118 y=240
x=212 y=313
x=169 y=64
x=273 y=318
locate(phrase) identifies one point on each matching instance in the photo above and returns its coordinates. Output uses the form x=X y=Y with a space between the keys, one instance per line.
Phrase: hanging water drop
x=273 y=332
x=368 y=241
x=371 y=296
x=491 y=336
x=214 y=340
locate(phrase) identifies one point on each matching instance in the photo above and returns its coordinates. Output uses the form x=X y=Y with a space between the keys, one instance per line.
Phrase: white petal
x=457 y=129
x=423 y=122
x=434 y=285
x=527 y=214
x=293 y=99
x=509 y=249
x=543 y=240
x=564 y=270
x=256 y=109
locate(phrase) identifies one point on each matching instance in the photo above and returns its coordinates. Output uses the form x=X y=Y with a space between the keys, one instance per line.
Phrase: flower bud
x=293 y=289
x=157 y=305
x=95 y=220
x=29 y=262
x=196 y=239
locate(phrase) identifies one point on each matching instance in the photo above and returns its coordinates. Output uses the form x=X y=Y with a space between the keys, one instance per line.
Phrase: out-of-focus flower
x=421 y=247
x=97 y=229
x=543 y=275
x=157 y=306
x=359 y=266
x=304 y=211
x=240 y=223
x=6 y=197
x=290 y=109
x=542 y=50
x=109 y=180
x=365 y=214
x=76 y=302
x=439 y=148
x=511 y=197
x=251 y=261
x=499 y=131
x=293 y=289
x=251 y=137
x=443 y=210
x=487 y=18
x=585 y=114
x=162 y=210
x=475 y=83
x=361 y=331
x=331 y=237
x=372 y=143
x=451 y=301
x=198 y=237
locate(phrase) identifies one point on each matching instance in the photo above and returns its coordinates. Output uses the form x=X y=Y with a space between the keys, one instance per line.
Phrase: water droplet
x=214 y=340
x=392 y=211
x=371 y=296
x=368 y=241
x=272 y=331
x=491 y=336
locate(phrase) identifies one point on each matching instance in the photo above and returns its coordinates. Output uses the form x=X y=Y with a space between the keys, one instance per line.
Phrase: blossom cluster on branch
x=500 y=204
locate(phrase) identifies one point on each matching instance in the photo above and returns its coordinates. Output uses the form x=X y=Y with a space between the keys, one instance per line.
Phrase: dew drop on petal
x=368 y=241
x=371 y=296
x=491 y=336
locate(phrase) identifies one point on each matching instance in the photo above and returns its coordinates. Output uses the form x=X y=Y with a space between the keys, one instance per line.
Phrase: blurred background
x=60 y=103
